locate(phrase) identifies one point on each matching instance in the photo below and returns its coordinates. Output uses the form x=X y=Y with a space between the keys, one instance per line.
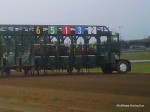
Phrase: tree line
x=127 y=44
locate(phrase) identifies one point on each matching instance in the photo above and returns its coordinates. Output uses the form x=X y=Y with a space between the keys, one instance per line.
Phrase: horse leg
x=71 y=71
x=78 y=71
x=45 y=73
x=25 y=72
x=7 y=72
x=2 y=73
x=68 y=71
x=37 y=72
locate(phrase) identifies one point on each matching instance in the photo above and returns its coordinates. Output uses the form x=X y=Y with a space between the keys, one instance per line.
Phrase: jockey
x=92 y=48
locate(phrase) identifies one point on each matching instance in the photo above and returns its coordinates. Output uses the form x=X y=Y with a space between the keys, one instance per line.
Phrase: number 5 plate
x=52 y=29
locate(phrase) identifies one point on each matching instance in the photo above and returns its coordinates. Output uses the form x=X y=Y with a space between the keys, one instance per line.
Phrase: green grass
x=142 y=55
x=96 y=70
x=135 y=67
x=140 y=67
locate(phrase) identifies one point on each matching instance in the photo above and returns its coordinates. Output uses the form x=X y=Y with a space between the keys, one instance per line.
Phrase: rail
x=139 y=61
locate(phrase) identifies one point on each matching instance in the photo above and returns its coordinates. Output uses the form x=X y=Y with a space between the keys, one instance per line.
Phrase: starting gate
x=43 y=47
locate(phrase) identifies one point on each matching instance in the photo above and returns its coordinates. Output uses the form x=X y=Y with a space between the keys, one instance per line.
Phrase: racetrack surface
x=75 y=93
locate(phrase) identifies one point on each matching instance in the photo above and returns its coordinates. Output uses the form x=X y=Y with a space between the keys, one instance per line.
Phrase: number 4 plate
x=92 y=30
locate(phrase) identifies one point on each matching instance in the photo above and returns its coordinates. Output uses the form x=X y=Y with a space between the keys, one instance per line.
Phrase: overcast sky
x=132 y=15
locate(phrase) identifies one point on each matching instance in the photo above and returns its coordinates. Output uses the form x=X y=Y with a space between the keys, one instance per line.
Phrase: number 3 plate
x=79 y=30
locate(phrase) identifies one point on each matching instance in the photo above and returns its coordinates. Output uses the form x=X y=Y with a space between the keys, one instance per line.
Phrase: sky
x=131 y=18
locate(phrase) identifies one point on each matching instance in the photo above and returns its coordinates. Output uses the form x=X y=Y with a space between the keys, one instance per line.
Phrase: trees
x=125 y=44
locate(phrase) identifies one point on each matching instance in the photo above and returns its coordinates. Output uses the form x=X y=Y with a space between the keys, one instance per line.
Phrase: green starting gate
x=32 y=47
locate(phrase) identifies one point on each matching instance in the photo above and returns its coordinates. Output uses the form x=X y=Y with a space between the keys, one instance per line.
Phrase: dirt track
x=75 y=93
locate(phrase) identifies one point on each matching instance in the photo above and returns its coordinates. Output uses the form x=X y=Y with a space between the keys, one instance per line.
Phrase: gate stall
x=16 y=48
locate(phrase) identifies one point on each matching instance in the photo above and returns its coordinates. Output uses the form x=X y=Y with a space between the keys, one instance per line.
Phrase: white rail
x=139 y=61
